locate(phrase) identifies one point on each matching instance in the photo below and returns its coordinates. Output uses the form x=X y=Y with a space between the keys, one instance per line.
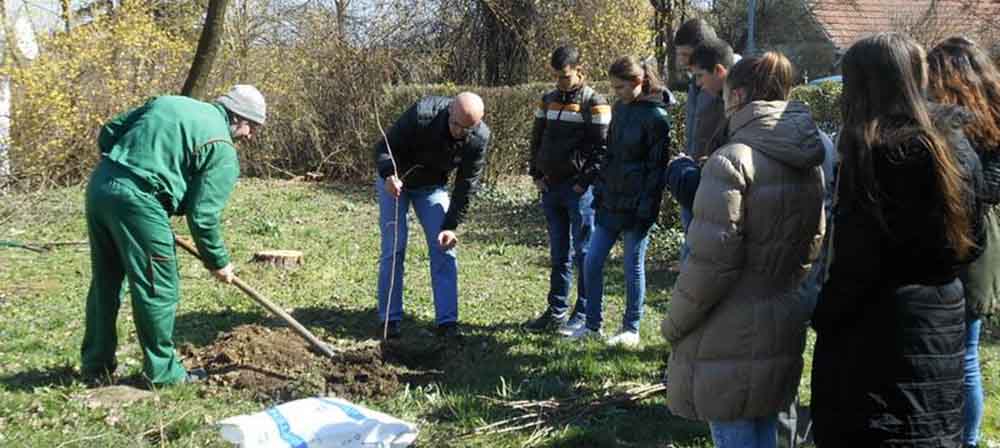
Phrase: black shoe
x=548 y=321
x=99 y=377
x=448 y=330
x=394 y=330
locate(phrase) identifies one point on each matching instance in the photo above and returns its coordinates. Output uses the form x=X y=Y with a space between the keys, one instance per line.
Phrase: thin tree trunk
x=342 y=6
x=196 y=85
x=9 y=57
x=10 y=51
x=67 y=14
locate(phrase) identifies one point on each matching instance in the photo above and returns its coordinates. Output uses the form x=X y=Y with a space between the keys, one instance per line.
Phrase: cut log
x=279 y=258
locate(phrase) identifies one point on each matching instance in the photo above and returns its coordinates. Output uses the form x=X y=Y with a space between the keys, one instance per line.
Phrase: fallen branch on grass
x=40 y=247
x=546 y=416
x=81 y=440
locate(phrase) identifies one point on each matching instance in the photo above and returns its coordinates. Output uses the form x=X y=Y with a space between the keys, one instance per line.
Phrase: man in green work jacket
x=171 y=156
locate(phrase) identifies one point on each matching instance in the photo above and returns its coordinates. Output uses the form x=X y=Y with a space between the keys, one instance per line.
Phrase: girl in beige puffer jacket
x=736 y=324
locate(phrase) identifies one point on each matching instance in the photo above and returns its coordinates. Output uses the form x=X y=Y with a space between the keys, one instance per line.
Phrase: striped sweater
x=569 y=136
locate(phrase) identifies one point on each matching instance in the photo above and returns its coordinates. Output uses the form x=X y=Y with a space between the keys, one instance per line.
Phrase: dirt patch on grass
x=276 y=364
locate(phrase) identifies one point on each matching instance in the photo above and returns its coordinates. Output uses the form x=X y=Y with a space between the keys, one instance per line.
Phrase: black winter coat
x=630 y=183
x=890 y=321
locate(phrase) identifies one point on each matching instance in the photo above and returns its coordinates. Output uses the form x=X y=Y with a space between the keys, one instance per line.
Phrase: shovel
x=263 y=301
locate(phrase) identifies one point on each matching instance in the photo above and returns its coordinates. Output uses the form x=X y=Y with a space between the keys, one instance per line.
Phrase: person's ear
x=720 y=71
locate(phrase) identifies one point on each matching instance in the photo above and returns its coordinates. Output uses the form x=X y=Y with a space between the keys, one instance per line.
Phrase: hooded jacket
x=735 y=323
x=631 y=180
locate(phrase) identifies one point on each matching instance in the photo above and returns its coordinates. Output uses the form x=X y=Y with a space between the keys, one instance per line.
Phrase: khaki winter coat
x=736 y=324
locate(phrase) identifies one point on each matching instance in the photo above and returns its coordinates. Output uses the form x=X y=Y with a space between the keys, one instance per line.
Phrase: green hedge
x=824 y=102
x=509 y=112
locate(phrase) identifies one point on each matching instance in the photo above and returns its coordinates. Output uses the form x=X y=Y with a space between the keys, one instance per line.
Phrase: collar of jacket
x=567 y=96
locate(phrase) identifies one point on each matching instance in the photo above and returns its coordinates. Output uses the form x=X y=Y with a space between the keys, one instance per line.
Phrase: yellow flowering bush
x=79 y=81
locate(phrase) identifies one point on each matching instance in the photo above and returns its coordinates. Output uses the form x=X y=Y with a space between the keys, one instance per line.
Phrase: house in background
x=816 y=33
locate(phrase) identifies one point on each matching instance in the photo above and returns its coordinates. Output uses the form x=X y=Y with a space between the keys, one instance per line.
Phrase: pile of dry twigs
x=545 y=416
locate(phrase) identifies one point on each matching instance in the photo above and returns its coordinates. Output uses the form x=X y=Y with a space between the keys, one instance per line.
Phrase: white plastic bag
x=317 y=423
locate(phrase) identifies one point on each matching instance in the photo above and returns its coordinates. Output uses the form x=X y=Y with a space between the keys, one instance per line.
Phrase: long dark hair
x=883 y=105
x=962 y=74
x=628 y=68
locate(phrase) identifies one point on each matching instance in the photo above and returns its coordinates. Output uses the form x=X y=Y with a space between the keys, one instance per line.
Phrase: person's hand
x=447 y=239
x=393 y=185
x=579 y=189
x=225 y=274
x=541 y=185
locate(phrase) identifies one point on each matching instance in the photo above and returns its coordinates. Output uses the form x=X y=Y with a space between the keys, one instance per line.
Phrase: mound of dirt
x=276 y=364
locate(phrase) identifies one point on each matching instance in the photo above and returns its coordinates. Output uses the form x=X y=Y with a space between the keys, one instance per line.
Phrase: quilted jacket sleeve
x=716 y=240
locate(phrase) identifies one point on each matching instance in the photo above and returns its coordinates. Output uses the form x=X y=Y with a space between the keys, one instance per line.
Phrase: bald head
x=465 y=113
x=468 y=109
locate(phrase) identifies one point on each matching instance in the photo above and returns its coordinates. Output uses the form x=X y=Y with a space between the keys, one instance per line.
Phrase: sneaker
x=549 y=320
x=626 y=338
x=573 y=324
x=394 y=330
x=195 y=376
x=584 y=333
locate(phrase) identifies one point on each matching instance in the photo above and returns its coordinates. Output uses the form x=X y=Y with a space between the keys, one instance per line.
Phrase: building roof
x=845 y=21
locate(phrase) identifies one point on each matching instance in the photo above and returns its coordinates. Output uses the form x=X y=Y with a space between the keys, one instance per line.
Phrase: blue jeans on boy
x=430 y=205
x=636 y=240
x=759 y=432
x=570 y=219
x=973 y=384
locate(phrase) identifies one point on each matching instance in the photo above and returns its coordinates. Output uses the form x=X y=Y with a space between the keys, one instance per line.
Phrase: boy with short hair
x=568 y=140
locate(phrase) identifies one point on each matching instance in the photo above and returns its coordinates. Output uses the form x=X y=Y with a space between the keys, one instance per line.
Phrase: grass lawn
x=503 y=280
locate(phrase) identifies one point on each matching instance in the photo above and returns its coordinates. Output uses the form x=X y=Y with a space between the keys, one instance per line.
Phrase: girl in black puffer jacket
x=627 y=193
x=890 y=321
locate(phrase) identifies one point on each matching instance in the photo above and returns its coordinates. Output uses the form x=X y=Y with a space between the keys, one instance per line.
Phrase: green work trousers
x=130 y=238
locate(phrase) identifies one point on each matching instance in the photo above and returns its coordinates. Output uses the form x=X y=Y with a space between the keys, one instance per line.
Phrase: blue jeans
x=431 y=205
x=570 y=219
x=759 y=432
x=973 y=385
x=636 y=241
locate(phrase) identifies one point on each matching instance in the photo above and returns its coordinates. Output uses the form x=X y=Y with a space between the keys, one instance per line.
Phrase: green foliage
x=81 y=79
x=603 y=30
x=824 y=102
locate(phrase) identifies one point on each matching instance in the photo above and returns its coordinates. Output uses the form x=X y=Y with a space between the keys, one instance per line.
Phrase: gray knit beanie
x=245 y=101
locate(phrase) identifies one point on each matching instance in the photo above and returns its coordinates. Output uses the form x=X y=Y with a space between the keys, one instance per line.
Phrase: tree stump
x=279 y=258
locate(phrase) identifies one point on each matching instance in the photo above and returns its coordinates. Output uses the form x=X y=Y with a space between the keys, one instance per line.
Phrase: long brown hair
x=628 y=68
x=769 y=77
x=883 y=104
x=960 y=73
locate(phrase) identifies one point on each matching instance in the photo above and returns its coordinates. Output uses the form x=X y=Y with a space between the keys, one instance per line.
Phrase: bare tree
x=208 y=45
x=341 y=11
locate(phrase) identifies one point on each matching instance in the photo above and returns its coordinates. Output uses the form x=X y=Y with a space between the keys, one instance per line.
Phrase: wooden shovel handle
x=263 y=301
